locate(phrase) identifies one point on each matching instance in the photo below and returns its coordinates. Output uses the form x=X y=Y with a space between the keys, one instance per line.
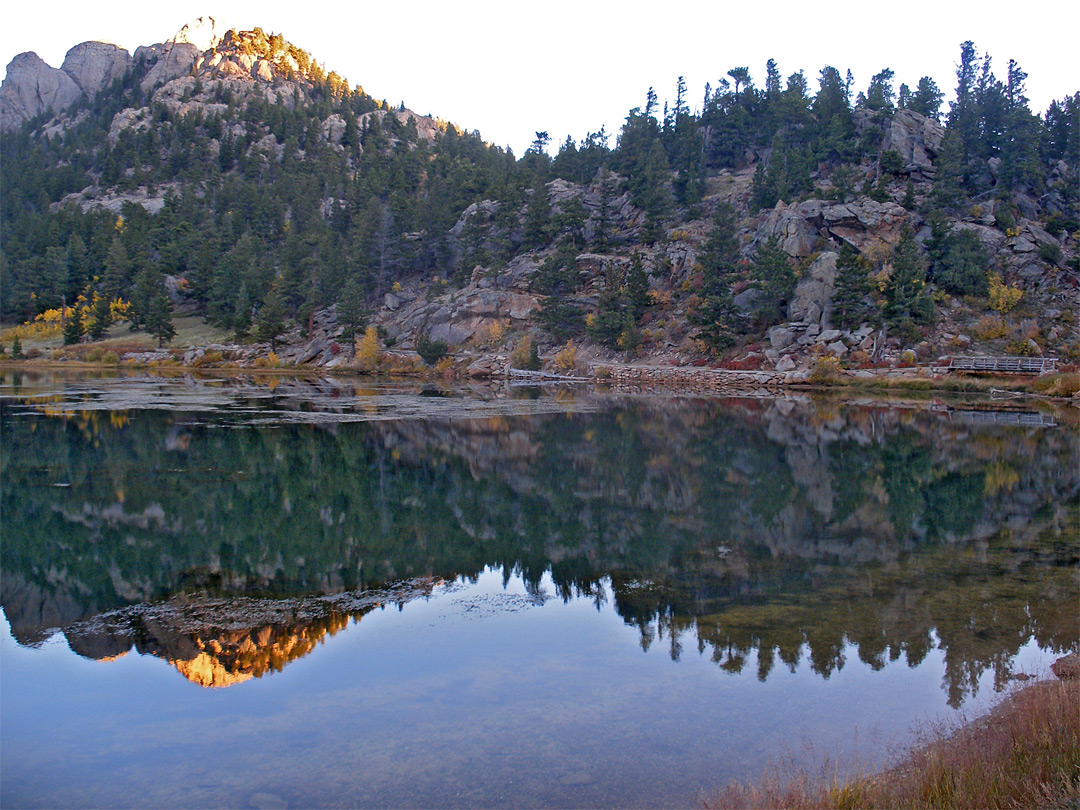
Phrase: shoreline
x=690 y=379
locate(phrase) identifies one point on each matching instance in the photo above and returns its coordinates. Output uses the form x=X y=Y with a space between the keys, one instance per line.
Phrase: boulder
x=1021 y=244
x=786 y=363
x=747 y=300
x=393 y=301
x=780 y=337
x=483 y=368
x=451 y=333
x=30 y=88
x=94 y=65
x=312 y=350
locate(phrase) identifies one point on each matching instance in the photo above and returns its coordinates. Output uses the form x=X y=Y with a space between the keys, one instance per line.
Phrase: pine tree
x=100 y=317
x=909 y=196
x=653 y=194
x=609 y=322
x=351 y=309
x=159 y=321
x=716 y=316
x=538 y=218
x=430 y=351
x=242 y=317
x=927 y=98
x=73 y=328
x=270 y=319
x=721 y=255
x=600 y=230
x=637 y=288
x=907 y=301
x=852 y=304
x=717 y=320
x=960 y=264
x=569 y=222
x=141 y=296
x=775 y=278
x=117 y=268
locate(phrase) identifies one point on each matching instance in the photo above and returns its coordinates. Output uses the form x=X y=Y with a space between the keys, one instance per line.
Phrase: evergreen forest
x=257 y=202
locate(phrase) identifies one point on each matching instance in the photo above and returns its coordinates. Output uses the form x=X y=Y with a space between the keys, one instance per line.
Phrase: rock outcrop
x=202 y=32
x=860 y=223
x=94 y=65
x=169 y=61
x=30 y=88
x=917 y=139
x=813 y=294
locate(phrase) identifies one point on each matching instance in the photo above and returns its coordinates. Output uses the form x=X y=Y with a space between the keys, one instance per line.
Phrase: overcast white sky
x=508 y=69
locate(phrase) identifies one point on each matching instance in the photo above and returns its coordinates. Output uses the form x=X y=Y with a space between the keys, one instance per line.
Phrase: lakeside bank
x=1024 y=752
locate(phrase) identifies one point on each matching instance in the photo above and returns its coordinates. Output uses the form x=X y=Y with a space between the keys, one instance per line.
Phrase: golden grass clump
x=1024 y=753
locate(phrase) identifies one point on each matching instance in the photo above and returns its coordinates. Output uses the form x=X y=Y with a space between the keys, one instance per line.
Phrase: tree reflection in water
x=766 y=530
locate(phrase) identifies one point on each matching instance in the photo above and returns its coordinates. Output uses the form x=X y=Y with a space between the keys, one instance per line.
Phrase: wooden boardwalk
x=1011 y=365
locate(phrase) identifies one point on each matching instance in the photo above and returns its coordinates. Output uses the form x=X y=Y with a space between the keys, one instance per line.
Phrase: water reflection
x=228 y=528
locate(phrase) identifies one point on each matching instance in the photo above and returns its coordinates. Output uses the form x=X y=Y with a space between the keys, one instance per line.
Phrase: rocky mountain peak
x=31 y=87
x=202 y=32
x=94 y=65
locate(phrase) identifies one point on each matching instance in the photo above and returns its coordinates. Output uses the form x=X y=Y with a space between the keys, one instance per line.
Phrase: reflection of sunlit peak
x=205 y=670
x=116 y=657
x=233 y=657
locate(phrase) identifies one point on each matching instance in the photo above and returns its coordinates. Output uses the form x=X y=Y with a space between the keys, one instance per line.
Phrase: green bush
x=1060 y=224
x=1050 y=252
x=430 y=351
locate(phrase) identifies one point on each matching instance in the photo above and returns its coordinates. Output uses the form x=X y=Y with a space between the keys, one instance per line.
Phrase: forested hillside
x=249 y=185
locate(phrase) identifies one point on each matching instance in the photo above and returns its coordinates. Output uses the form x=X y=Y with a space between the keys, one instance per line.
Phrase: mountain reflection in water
x=230 y=529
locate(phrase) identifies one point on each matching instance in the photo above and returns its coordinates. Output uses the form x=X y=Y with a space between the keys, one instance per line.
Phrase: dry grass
x=1023 y=754
x=1058 y=385
x=191 y=330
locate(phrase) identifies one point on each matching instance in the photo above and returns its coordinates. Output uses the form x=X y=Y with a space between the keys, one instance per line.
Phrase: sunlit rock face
x=202 y=32
x=30 y=88
x=231 y=657
x=205 y=670
x=217 y=643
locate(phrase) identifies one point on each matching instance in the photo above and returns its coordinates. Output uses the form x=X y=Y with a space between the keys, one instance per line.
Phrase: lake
x=272 y=592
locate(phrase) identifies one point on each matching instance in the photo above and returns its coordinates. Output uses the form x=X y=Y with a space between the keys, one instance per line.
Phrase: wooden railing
x=1013 y=365
x=1017 y=418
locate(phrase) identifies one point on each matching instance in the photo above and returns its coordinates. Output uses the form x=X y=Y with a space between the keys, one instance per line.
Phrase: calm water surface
x=272 y=593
